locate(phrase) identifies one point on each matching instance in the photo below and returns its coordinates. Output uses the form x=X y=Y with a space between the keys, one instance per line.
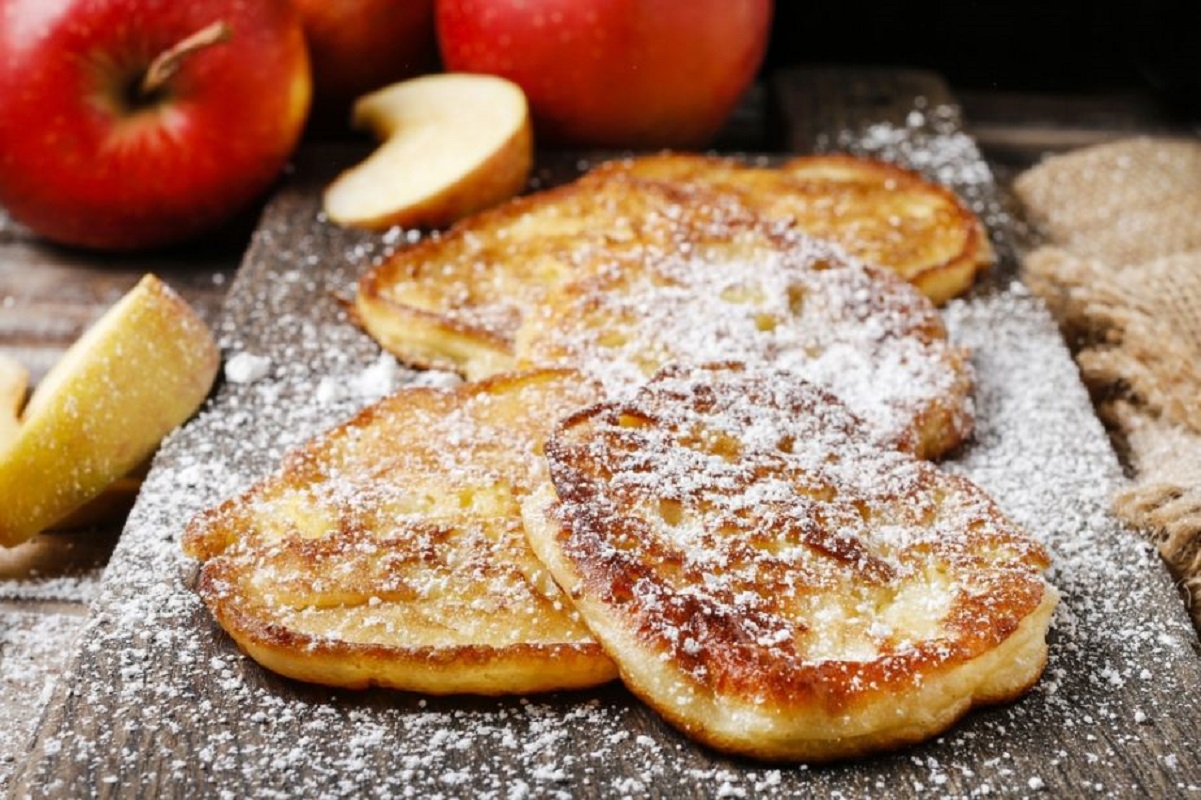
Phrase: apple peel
x=452 y=144
x=138 y=373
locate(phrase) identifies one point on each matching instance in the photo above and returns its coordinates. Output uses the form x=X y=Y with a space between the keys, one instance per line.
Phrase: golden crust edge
x=780 y=737
x=429 y=340
x=525 y=668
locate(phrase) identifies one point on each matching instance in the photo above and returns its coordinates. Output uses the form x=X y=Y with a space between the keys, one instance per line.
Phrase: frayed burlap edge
x=1123 y=339
x=1165 y=501
x=1170 y=516
x=1143 y=370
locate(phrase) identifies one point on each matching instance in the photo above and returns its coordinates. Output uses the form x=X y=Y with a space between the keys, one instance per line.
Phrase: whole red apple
x=613 y=73
x=128 y=124
x=360 y=45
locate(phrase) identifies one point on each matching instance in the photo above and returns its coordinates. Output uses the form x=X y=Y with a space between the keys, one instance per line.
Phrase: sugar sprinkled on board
x=29 y=644
x=800 y=304
x=73 y=588
x=246 y=367
x=1038 y=449
x=366 y=385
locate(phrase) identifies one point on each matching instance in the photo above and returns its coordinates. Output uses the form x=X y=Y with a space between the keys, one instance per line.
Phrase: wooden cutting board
x=158 y=702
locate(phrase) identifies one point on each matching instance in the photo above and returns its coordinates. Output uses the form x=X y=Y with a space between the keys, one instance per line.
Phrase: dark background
x=1022 y=45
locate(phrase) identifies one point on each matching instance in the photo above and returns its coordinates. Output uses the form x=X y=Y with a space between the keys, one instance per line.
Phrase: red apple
x=360 y=45
x=613 y=73
x=128 y=124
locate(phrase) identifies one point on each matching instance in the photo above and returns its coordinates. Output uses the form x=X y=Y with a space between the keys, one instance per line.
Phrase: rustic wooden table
x=48 y=295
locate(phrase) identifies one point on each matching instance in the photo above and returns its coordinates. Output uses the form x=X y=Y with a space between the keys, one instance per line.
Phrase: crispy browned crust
x=456 y=300
x=520 y=285
x=775 y=582
x=882 y=213
x=517 y=668
x=389 y=551
x=762 y=293
x=941 y=254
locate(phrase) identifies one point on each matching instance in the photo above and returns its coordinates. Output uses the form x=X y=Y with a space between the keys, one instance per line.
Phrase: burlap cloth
x=1121 y=270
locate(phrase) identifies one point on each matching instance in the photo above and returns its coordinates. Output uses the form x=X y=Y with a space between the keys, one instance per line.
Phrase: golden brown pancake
x=766 y=296
x=881 y=213
x=455 y=300
x=529 y=283
x=774 y=581
x=390 y=552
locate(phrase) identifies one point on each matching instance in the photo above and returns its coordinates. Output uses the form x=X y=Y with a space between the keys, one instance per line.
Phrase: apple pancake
x=540 y=281
x=390 y=552
x=773 y=580
x=881 y=213
x=454 y=301
x=769 y=296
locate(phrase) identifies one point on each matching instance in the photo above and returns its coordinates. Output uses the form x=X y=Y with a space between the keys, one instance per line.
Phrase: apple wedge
x=140 y=371
x=452 y=144
x=110 y=504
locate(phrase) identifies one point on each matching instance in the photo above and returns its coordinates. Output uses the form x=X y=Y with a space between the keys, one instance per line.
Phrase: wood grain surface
x=48 y=296
x=158 y=702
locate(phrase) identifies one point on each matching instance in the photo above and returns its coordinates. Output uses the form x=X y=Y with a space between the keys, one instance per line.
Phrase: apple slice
x=106 y=508
x=453 y=144
x=138 y=373
x=111 y=504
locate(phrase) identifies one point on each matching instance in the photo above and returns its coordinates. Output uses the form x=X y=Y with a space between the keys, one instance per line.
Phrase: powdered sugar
x=29 y=669
x=365 y=385
x=73 y=588
x=770 y=544
x=161 y=703
x=791 y=302
x=246 y=367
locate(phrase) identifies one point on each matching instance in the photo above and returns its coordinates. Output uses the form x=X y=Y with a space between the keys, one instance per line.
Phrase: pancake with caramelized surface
x=883 y=214
x=390 y=551
x=454 y=301
x=768 y=296
x=542 y=280
x=776 y=583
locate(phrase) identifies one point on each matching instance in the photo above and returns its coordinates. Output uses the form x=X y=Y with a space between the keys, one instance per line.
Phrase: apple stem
x=167 y=63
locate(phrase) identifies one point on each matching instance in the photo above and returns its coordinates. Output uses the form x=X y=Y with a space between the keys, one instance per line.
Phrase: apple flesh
x=357 y=46
x=613 y=73
x=452 y=144
x=111 y=504
x=93 y=153
x=139 y=372
x=14 y=384
x=108 y=507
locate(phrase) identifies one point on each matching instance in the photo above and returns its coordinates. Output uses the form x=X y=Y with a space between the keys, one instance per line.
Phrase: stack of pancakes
x=693 y=452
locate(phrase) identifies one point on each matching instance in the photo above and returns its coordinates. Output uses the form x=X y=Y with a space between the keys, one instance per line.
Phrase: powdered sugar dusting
x=789 y=301
x=748 y=530
x=384 y=376
x=75 y=588
x=29 y=668
x=246 y=367
x=409 y=524
x=178 y=710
